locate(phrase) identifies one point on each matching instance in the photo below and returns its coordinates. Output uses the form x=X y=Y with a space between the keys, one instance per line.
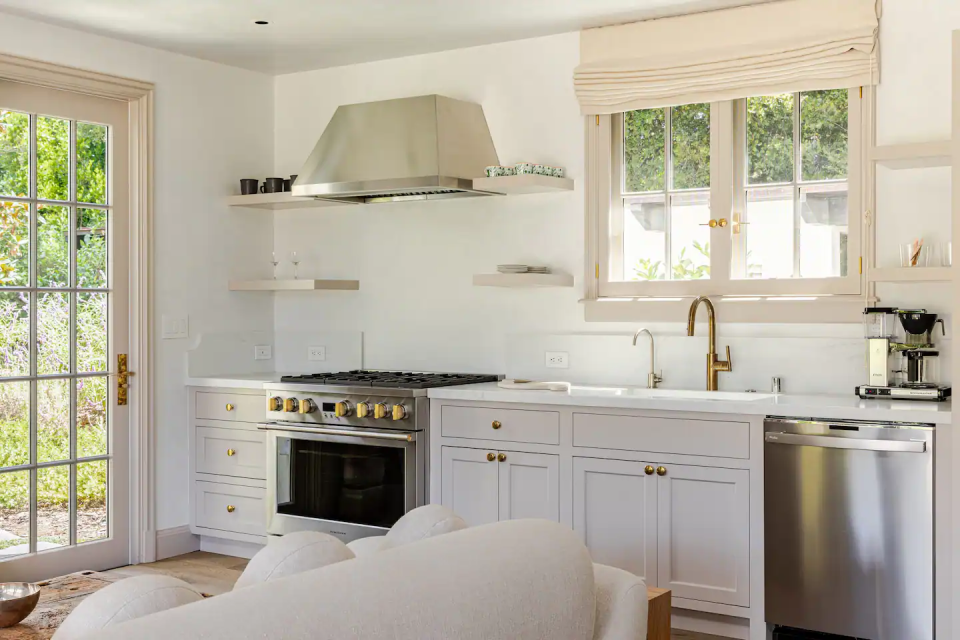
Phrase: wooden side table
x=658 y=614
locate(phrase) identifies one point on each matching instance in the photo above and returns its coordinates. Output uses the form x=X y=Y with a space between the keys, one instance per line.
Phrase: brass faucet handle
x=724 y=365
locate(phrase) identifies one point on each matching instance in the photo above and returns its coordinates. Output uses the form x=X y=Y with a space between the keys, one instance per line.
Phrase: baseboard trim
x=226 y=547
x=700 y=622
x=176 y=542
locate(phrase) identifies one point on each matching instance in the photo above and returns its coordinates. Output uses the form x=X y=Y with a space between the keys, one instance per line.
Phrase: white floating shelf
x=277 y=201
x=294 y=285
x=524 y=183
x=523 y=280
x=911 y=274
x=913 y=156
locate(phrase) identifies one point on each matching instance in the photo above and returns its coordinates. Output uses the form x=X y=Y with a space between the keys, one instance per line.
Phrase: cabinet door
x=469 y=484
x=704 y=534
x=615 y=513
x=529 y=486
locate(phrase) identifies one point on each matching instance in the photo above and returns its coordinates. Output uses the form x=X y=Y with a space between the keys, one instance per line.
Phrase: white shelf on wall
x=911 y=274
x=523 y=280
x=294 y=285
x=278 y=201
x=913 y=156
x=521 y=184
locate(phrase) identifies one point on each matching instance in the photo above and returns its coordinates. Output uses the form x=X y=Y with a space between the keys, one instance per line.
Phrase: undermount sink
x=672 y=394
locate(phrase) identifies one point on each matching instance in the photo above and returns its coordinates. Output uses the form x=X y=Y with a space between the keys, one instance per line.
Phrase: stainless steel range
x=347 y=453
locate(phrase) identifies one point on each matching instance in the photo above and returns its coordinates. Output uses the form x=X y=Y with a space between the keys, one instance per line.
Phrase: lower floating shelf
x=911 y=274
x=294 y=285
x=523 y=280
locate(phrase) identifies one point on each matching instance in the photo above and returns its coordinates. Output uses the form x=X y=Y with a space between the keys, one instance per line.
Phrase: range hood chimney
x=420 y=148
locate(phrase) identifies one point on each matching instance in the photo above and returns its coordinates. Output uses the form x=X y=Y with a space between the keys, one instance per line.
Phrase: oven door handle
x=327 y=431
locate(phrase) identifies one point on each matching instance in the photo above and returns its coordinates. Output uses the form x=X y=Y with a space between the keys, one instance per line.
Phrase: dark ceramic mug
x=286 y=185
x=249 y=186
x=272 y=185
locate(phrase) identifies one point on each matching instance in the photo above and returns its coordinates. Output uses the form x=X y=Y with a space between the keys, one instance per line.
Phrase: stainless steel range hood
x=407 y=149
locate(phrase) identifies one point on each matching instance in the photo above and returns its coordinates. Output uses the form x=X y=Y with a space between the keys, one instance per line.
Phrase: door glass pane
x=690 y=131
x=53 y=246
x=14 y=513
x=53 y=152
x=91 y=163
x=92 y=248
x=53 y=420
x=824 y=229
x=53 y=333
x=14 y=427
x=14 y=244
x=14 y=154
x=92 y=501
x=53 y=507
x=14 y=334
x=91 y=332
x=644 y=159
x=91 y=417
x=689 y=236
x=770 y=139
x=823 y=134
x=644 y=238
x=769 y=234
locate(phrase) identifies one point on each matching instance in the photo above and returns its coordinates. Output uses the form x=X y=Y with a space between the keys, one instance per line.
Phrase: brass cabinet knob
x=502 y=457
x=229 y=407
x=661 y=471
x=231 y=452
x=342 y=409
x=399 y=412
x=379 y=411
x=307 y=406
x=496 y=424
x=291 y=405
x=362 y=409
x=648 y=470
x=231 y=508
x=491 y=457
x=274 y=404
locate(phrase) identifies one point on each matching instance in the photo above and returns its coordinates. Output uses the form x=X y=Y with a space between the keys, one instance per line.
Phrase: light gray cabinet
x=470 y=485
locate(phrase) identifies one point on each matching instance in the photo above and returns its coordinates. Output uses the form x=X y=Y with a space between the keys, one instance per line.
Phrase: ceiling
x=313 y=34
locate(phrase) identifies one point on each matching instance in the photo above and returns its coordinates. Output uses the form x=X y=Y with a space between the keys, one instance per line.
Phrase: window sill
x=740 y=309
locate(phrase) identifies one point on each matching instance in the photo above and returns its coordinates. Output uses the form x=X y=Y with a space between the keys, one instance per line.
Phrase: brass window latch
x=123 y=375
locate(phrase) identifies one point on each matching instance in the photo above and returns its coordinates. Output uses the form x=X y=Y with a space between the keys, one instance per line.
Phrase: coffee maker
x=903 y=361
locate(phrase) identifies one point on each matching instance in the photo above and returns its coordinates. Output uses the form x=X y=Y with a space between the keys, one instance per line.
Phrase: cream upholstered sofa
x=517 y=580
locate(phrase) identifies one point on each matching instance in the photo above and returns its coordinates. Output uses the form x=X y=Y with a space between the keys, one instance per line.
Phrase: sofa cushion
x=422 y=523
x=365 y=546
x=123 y=601
x=621 y=603
x=291 y=554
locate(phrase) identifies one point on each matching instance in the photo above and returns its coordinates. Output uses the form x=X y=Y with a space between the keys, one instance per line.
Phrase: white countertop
x=835 y=407
x=234 y=380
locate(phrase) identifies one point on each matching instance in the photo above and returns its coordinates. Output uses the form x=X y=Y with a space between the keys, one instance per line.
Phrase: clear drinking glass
x=914 y=254
x=946 y=254
x=295 y=259
x=274 y=262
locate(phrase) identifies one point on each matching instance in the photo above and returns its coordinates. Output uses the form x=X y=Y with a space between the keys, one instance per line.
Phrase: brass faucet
x=714 y=365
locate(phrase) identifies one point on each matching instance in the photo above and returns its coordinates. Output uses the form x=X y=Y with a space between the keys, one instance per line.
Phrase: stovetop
x=389 y=379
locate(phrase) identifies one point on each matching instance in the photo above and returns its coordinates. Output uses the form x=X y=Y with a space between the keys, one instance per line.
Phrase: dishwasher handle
x=833 y=442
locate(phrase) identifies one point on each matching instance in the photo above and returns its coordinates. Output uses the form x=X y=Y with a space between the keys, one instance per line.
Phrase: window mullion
x=667 y=188
x=797 y=171
x=721 y=188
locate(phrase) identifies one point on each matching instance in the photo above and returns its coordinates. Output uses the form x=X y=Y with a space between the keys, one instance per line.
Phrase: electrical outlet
x=262 y=352
x=557 y=360
x=175 y=327
x=316 y=354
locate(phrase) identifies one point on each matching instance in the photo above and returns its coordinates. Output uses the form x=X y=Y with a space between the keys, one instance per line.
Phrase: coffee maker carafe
x=920 y=368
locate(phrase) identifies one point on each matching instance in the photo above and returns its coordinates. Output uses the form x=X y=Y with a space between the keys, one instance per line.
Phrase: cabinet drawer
x=231 y=452
x=712 y=438
x=230 y=406
x=505 y=425
x=230 y=508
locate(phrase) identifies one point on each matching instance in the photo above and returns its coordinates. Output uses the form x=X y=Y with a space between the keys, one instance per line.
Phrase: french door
x=64 y=318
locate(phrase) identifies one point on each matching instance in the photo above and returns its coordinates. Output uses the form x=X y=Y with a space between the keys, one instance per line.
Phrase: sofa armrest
x=621 y=604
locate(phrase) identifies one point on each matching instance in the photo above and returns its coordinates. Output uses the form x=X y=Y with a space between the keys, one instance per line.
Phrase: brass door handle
x=722 y=222
x=648 y=470
x=737 y=224
x=502 y=457
x=231 y=452
x=491 y=457
x=231 y=508
x=661 y=471
x=712 y=224
x=496 y=424
x=229 y=407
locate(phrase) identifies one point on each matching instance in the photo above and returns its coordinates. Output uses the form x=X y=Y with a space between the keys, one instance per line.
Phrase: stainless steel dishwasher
x=849 y=528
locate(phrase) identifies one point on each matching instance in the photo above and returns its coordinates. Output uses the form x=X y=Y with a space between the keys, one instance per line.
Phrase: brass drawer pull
x=491 y=457
x=231 y=508
x=502 y=457
x=229 y=407
x=496 y=424
x=648 y=470
x=231 y=452
x=661 y=471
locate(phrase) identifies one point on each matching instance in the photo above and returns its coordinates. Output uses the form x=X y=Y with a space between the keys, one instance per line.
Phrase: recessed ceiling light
x=260 y=22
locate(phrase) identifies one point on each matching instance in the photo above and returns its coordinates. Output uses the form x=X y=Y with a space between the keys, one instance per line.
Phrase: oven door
x=350 y=483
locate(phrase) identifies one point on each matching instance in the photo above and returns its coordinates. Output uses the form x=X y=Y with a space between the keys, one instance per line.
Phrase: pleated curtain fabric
x=762 y=49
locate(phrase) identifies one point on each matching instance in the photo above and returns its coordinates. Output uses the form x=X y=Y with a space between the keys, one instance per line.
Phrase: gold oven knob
x=307 y=406
x=491 y=457
x=379 y=410
x=399 y=412
x=342 y=409
x=275 y=403
x=231 y=508
x=229 y=407
x=362 y=409
x=231 y=452
x=291 y=405
x=648 y=470
x=661 y=471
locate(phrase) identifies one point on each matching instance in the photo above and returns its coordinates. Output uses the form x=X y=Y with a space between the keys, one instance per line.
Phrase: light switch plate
x=262 y=352
x=175 y=327
x=316 y=354
x=557 y=360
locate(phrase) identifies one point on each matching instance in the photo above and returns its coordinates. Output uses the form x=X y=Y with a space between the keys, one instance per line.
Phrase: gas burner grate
x=391 y=379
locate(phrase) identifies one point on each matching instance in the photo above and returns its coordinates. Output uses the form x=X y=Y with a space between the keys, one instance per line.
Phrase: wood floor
x=215 y=574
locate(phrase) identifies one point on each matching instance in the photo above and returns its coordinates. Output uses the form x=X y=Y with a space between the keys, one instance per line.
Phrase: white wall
x=213 y=126
x=416 y=305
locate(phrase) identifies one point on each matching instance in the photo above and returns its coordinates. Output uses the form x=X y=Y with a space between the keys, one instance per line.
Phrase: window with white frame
x=758 y=196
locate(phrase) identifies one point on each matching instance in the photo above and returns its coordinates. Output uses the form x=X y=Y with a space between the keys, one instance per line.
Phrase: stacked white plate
x=512 y=268
x=538 y=269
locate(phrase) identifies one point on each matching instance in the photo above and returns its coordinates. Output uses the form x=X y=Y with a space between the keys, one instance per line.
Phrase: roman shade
x=762 y=49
